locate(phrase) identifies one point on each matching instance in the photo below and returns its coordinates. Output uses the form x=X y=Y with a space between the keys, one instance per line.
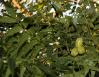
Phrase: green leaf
x=47 y=70
x=11 y=65
x=8 y=72
x=96 y=27
x=17 y=28
x=10 y=9
x=68 y=75
x=92 y=73
x=25 y=49
x=22 y=71
x=37 y=72
x=22 y=40
x=78 y=74
x=6 y=19
x=95 y=69
x=36 y=50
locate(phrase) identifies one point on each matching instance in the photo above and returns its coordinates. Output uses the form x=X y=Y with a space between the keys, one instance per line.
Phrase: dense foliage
x=50 y=44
